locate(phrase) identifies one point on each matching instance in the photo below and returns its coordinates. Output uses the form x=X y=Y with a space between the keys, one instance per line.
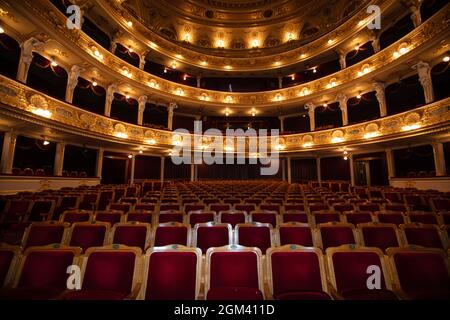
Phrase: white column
x=319 y=173
x=342 y=61
x=416 y=17
x=352 y=169
x=142 y=60
x=170 y=109
x=424 y=72
x=9 y=146
x=199 y=81
x=109 y=98
x=99 y=163
x=162 y=169
x=72 y=82
x=439 y=159
x=133 y=165
x=342 y=99
x=280 y=82
x=310 y=107
x=281 y=123
x=142 y=101
x=381 y=97
x=289 y=173
x=26 y=56
x=283 y=169
x=390 y=163
x=59 y=159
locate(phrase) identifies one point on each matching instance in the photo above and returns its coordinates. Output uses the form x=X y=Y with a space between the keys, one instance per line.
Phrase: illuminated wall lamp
x=151 y=141
x=370 y=135
x=337 y=140
x=121 y=135
x=411 y=127
x=42 y=112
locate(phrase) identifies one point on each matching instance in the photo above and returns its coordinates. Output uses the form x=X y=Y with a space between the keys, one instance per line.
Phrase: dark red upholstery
x=296 y=275
x=143 y=217
x=170 y=217
x=326 y=217
x=169 y=206
x=380 y=237
x=255 y=236
x=270 y=207
x=395 y=218
x=396 y=207
x=427 y=237
x=264 y=217
x=335 y=236
x=201 y=218
x=428 y=279
x=194 y=207
x=76 y=216
x=299 y=207
x=219 y=207
x=212 y=236
x=86 y=236
x=132 y=236
x=300 y=235
x=166 y=235
x=247 y=208
x=427 y=218
x=350 y=270
x=232 y=218
x=441 y=204
x=6 y=257
x=171 y=276
x=44 y=234
x=318 y=207
x=295 y=216
x=144 y=206
x=343 y=207
x=40 y=210
x=372 y=207
x=108 y=276
x=124 y=207
x=43 y=276
x=17 y=210
x=234 y=276
x=358 y=217
x=111 y=217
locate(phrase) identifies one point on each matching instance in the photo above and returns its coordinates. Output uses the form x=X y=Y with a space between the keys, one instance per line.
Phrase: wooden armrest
x=133 y=295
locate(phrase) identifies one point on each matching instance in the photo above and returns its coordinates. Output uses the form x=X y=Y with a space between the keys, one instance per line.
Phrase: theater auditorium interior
x=224 y=150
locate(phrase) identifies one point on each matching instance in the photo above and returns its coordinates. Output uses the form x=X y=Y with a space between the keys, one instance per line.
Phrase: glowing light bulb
x=2 y=30
x=446 y=59
x=130 y=23
x=94 y=83
x=130 y=156
x=46 y=143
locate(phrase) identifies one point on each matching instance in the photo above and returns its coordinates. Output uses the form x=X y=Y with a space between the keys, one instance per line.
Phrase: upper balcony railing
x=20 y=101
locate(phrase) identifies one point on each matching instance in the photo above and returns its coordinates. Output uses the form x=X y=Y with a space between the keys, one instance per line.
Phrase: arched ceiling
x=235 y=27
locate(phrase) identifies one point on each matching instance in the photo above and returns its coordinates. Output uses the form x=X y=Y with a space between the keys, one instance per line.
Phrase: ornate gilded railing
x=18 y=100
x=420 y=39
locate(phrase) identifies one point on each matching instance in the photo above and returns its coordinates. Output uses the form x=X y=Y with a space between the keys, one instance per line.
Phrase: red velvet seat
x=270 y=207
x=108 y=274
x=294 y=216
x=343 y=207
x=111 y=217
x=264 y=217
x=43 y=275
x=429 y=279
x=76 y=216
x=89 y=201
x=217 y=207
x=209 y=235
x=335 y=234
x=144 y=207
x=8 y=256
x=356 y=218
x=255 y=234
x=379 y=235
x=396 y=218
x=201 y=217
x=43 y=233
x=296 y=233
x=440 y=204
x=193 y=207
x=16 y=210
x=141 y=216
x=233 y=273
x=247 y=208
x=348 y=267
x=426 y=218
x=324 y=217
x=232 y=217
x=372 y=207
x=296 y=273
x=425 y=235
x=396 y=207
x=318 y=207
x=41 y=210
x=169 y=206
x=86 y=235
x=289 y=207
x=170 y=216
x=173 y=273
x=172 y=233
x=132 y=234
x=123 y=207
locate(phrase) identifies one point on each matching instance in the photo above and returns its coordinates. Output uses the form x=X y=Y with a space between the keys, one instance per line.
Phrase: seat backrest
x=334 y=234
x=201 y=217
x=76 y=216
x=294 y=216
x=170 y=216
x=254 y=235
x=247 y=207
x=293 y=268
x=356 y=218
x=421 y=217
x=396 y=218
x=426 y=235
x=265 y=217
x=208 y=235
x=46 y=267
x=233 y=266
x=295 y=233
x=141 y=216
x=232 y=217
x=16 y=209
x=131 y=234
x=373 y=207
x=379 y=235
x=172 y=273
x=348 y=267
x=111 y=268
x=172 y=233
x=88 y=234
x=217 y=207
x=44 y=233
x=124 y=207
x=430 y=271
x=111 y=217
x=41 y=210
x=324 y=217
